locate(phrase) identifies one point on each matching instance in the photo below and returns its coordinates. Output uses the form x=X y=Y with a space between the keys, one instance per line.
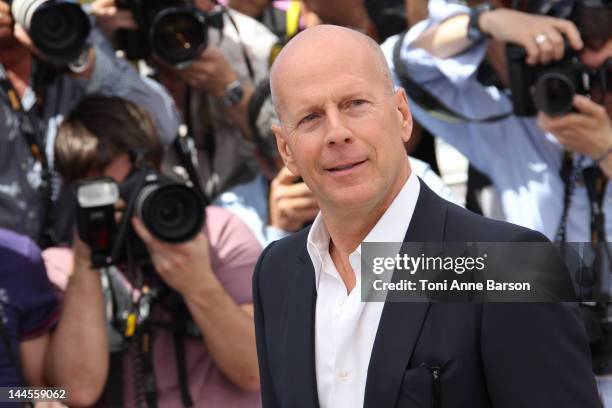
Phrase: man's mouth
x=347 y=166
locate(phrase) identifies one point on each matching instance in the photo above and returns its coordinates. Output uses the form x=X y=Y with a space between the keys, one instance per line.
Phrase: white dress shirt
x=345 y=327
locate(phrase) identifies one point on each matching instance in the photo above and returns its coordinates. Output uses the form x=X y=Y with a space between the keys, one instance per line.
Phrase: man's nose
x=337 y=131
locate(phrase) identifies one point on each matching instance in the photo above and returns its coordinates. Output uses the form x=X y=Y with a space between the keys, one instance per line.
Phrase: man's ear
x=401 y=100
x=284 y=150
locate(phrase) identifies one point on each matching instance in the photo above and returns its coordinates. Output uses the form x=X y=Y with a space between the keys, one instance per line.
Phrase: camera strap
x=183 y=145
x=31 y=127
x=245 y=55
x=426 y=100
x=595 y=183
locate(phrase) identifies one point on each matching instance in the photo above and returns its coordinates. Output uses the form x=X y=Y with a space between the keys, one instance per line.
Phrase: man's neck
x=347 y=229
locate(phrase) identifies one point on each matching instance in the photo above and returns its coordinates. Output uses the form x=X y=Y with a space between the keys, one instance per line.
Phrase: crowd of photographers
x=139 y=177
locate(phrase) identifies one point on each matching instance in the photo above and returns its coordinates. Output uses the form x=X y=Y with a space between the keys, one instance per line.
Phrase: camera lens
x=178 y=35
x=554 y=93
x=58 y=28
x=172 y=212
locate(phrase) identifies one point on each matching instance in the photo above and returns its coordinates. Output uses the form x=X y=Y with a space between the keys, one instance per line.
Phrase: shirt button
x=343 y=376
x=341 y=302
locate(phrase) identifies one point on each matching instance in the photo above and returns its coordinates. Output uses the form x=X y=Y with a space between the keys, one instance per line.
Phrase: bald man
x=342 y=130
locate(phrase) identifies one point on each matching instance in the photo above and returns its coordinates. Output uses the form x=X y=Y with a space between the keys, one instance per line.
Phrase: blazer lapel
x=300 y=361
x=401 y=322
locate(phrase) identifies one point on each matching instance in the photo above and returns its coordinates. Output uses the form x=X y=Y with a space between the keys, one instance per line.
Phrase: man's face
x=7 y=37
x=204 y=5
x=342 y=128
x=119 y=168
x=594 y=59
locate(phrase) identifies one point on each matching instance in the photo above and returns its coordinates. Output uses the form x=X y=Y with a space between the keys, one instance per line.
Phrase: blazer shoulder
x=281 y=257
x=289 y=246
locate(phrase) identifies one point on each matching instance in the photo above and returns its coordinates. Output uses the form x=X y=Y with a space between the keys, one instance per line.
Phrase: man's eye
x=358 y=102
x=309 y=118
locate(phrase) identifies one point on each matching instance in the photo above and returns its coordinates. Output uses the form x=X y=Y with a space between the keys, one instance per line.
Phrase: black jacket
x=463 y=355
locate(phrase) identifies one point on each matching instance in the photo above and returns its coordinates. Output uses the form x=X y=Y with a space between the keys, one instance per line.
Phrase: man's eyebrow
x=313 y=107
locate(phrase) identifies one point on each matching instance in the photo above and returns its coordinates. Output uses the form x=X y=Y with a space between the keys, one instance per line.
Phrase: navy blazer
x=463 y=355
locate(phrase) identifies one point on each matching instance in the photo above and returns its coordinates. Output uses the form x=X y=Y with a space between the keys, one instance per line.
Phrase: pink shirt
x=234 y=252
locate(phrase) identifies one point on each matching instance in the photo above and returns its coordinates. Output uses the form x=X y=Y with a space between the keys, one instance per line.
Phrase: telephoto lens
x=172 y=211
x=178 y=35
x=58 y=28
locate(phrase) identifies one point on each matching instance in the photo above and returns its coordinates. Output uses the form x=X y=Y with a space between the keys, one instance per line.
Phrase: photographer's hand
x=291 y=205
x=228 y=329
x=110 y=18
x=589 y=131
x=184 y=267
x=541 y=36
x=210 y=72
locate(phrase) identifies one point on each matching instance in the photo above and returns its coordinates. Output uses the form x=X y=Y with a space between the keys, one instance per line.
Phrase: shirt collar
x=391 y=227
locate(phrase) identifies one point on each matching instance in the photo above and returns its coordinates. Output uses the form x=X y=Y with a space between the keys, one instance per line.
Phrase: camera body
x=58 y=28
x=548 y=88
x=171 y=211
x=175 y=31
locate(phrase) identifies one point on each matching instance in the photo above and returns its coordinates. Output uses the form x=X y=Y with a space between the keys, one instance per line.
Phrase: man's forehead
x=321 y=40
x=321 y=54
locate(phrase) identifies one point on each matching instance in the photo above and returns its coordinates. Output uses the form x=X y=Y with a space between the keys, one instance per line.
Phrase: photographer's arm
x=77 y=355
x=112 y=76
x=450 y=37
x=227 y=328
x=211 y=72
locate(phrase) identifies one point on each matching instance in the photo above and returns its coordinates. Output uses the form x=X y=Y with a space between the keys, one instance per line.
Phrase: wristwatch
x=474 y=32
x=233 y=94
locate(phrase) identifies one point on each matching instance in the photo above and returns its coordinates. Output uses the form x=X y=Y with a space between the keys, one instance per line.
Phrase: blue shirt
x=28 y=303
x=522 y=160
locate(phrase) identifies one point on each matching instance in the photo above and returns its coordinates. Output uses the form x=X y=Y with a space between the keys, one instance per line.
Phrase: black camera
x=550 y=88
x=172 y=30
x=172 y=212
x=58 y=28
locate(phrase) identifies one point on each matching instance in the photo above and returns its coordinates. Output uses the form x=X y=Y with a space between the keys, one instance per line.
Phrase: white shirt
x=345 y=327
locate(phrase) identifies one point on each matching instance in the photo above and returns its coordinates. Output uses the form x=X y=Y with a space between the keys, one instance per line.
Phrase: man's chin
x=352 y=198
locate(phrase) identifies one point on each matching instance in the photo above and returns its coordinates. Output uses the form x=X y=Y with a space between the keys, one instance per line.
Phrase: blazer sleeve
x=537 y=355
x=268 y=395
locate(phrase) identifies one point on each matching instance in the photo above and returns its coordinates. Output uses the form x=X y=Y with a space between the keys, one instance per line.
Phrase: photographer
x=203 y=283
x=42 y=346
x=213 y=89
x=40 y=82
x=523 y=155
x=551 y=170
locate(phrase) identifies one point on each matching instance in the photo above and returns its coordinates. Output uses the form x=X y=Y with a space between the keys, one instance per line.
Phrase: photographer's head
x=595 y=28
x=98 y=137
